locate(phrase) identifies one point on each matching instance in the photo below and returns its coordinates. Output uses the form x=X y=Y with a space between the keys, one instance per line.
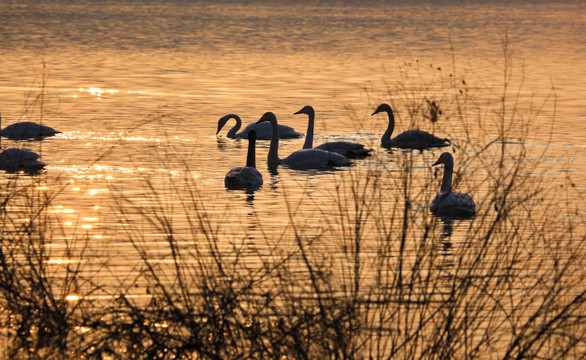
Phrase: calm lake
x=137 y=89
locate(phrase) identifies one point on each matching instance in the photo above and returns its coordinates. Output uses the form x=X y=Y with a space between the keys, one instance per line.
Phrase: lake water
x=137 y=89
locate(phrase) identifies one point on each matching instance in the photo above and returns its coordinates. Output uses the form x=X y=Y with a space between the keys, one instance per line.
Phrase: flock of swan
x=327 y=155
x=338 y=153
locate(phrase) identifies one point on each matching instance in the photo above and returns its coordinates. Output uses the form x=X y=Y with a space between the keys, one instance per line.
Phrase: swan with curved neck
x=263 y=130
x=26 y=130
x=345 y=148
x=245 y=177
x=449 y=202
x=300 y=159
x=410 y=139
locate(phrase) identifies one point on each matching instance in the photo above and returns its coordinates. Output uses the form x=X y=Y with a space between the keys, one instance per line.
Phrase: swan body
x=27 y=130
x=14 y=160
x=410 y=139
x=245 y=177
x=300 y=159
x=263 y=130
x=346 y=148
x=448 y=202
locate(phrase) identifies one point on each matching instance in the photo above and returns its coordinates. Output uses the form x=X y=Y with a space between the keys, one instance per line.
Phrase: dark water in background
x=112 y=65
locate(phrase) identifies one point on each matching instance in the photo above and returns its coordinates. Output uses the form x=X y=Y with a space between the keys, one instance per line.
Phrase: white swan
x=448 y=202
x=263 y=130
x=410 y=139
x=300 y=159
x=14 y=160
x=26 y=130
x=245 y=177
x=345 y=148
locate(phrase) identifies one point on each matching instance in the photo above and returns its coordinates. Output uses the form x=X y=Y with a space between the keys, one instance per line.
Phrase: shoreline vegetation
x=370 y=275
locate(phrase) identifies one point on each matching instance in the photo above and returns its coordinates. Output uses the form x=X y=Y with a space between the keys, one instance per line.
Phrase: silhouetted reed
x=38 y=286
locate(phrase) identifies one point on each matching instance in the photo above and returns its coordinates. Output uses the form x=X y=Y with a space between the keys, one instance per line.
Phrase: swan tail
x=292 y=135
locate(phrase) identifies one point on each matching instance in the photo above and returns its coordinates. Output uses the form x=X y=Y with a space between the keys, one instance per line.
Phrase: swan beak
x=298 y=112
x=437 y=162
x=220 y=126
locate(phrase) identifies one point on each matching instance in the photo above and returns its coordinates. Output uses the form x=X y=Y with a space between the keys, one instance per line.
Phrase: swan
x=14 y=160
x=263 y=130
x=410 y=139
x=448 y=202
x=345 y=148
x=300 y=159
x=26 y=130
x=245 y=177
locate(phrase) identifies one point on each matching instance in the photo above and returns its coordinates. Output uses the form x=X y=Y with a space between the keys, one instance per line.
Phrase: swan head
x=306 y=110
x=447 y=159
x=383 y=107
x=224 y=119
x=268 y=116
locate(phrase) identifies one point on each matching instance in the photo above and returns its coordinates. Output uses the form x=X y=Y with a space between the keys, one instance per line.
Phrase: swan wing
x=48 y=131
x=243 y=177
x=314 y=159
x=264 y=131
x=417 y=139
x=454 y=204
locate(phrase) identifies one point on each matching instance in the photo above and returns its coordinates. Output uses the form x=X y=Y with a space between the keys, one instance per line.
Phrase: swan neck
x=309 y=135
x=390 y=128
x=274 y=146
x=235 y=128
x=447 y=179
x=250 y=157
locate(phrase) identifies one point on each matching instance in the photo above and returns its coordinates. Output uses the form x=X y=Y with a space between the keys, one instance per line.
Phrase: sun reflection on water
x=83 y=329
x=98 y=92
x=107 y=137
x=59 y=209
x=60 y=261
x=73 y=297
